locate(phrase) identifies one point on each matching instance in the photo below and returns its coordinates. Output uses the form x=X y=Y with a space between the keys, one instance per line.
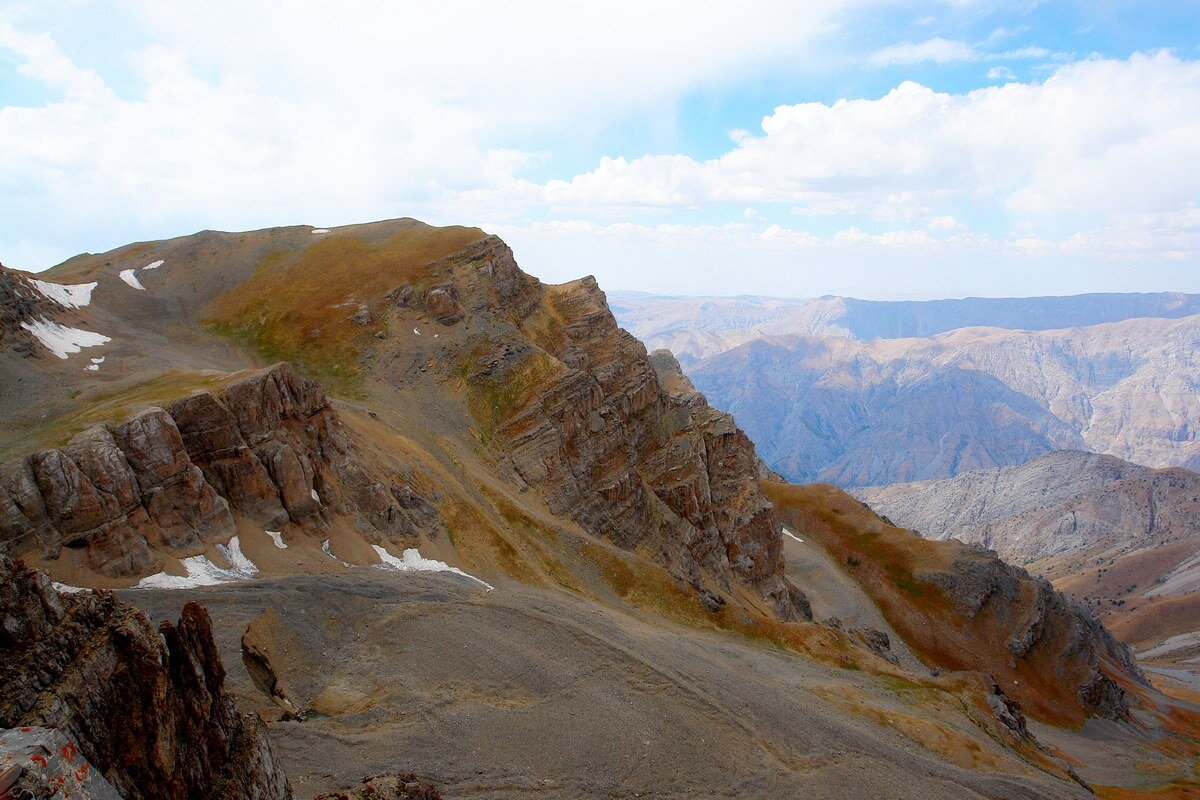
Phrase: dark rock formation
x=269 y=447
x=387 y=787
x=147 y=708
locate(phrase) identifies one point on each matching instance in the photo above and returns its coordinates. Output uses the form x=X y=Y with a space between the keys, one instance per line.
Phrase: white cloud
x=947 y=51
x=902 y=262
x=946 y=223
x=330 y=114
x=241 y=114
x=1097 y=139
x=936 y=50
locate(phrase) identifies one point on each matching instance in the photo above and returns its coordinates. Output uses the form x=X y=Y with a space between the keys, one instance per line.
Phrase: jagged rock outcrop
x=147 y=708
x=573 y=407
x=269 y=447
x=1034 y=615
x=1119 y=537
x=387 y=787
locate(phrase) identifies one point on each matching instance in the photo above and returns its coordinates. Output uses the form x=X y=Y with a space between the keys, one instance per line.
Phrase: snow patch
x=61 y=340
x=128 y=276
x=202 y=572
x=92 y=367
x=153 y=265
x=320 y=230
x=413 y=561
x=277 y=538
x=238 y=562
x=794 y=536
x=75 y=295
x=67 y=588
x=314 y=494
x=99 y=360
x=417 y=332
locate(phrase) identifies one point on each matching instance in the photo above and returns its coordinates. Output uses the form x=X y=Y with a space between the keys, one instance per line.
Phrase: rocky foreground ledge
x=146 y=708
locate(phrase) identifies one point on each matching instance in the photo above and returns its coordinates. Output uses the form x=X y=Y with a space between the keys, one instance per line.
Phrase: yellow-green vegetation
x=298 y=306
x=546 y=325
x=537 y=543
x=479 y=543
x=492 y=399
x=110 y=406
x=1187 y=790
x=648 y=587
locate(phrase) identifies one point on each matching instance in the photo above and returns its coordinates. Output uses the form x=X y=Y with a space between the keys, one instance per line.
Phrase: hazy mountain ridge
x=862 y=413
x=695 y=328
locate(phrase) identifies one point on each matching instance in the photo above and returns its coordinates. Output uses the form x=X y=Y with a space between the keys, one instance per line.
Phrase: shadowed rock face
x=601 y=439
x=269 y=447
x=147 y=708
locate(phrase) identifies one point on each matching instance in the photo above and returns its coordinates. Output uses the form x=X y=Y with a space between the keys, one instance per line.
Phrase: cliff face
x=269 y=447
x=572 y=406
x=147 y=708
x=563 y=400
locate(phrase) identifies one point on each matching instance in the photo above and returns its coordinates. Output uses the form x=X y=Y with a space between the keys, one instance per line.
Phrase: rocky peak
x=574 y=408
x=147 y=708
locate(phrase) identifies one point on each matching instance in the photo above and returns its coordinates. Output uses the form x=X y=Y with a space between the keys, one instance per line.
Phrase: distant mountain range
x=860 y=413
x=694 y=328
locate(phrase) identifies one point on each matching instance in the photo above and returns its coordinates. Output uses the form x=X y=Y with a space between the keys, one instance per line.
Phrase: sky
x=869 y=148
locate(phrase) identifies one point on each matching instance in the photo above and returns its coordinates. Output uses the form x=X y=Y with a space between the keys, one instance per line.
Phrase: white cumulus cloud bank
x=1099 y=138
x=338 y=112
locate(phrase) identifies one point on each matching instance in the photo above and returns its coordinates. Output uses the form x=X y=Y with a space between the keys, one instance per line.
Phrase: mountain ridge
x=696 y=328
x=886 y=411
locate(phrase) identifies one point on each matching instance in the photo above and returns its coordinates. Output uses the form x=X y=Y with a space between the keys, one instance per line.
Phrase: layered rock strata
x=269 y=447
x=574 y=408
